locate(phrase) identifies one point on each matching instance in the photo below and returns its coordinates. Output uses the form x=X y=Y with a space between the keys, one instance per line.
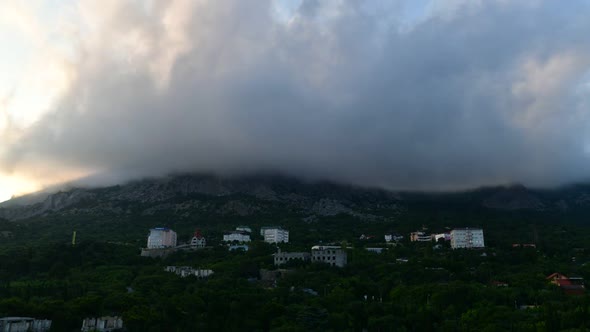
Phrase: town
x=162 y=242
x=282 y=258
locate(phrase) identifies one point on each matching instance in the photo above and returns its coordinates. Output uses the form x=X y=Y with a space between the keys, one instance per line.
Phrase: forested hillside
x=408 y=287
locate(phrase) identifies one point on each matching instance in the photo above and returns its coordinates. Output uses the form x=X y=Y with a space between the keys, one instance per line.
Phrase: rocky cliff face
x=240 y=197
x=53 y=202
x=246 y=196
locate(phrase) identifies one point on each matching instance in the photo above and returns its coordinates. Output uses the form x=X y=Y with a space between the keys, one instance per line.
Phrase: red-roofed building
x=571 y=286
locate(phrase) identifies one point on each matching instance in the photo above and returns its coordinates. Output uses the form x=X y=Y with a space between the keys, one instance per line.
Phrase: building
x=246 y=229
x=469 y=238
x=236 y=236
x=185 y=271
x=444 y=236
x=375 y=250
x=24 y=324
x=161 y=237
x=238 y=247
x=524 y=245
x=102 y=324
x=198 y=240
x=420 y=237
x=571 y=285
x=281 y=258
x=263 y=229
x=275 y=235
x=393 y=237
x=333 y=255
x=269 y=278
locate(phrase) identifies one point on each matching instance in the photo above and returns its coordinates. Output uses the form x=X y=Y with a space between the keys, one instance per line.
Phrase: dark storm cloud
x=485 y=93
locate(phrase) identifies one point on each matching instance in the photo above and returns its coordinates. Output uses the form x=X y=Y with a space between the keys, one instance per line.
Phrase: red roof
x=566 y=284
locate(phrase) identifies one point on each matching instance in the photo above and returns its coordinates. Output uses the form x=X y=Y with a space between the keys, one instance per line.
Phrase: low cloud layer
x=453 y=95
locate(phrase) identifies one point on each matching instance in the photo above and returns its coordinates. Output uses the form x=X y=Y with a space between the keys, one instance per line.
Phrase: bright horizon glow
x=41 y=37
x=35 y=73
x=13 y=186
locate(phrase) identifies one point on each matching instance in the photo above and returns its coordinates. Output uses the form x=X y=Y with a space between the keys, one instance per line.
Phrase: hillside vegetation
x=409 y=287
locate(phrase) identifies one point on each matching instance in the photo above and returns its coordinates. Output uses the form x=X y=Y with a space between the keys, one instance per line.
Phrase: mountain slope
x=239 y=196
x=182 y=195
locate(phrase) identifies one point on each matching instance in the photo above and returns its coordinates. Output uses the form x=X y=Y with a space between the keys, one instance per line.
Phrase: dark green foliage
x=43 y=275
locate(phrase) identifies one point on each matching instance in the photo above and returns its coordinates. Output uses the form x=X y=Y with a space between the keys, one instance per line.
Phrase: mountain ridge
x=249 y=195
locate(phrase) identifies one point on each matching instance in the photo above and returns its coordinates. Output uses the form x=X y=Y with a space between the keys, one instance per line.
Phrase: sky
x=399 y=94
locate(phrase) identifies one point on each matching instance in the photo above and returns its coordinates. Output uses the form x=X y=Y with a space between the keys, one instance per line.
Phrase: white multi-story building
x=275 y=235
x=185 y=271
x=282 y=257
x=333 y=255
x=198 y=242
x=161 y=237
x=102 y=324
x=263 y=229
x=238 y=236
x=24 y=324
x=467 y=238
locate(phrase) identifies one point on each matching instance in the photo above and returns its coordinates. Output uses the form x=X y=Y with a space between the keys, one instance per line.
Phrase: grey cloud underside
x=345 y=98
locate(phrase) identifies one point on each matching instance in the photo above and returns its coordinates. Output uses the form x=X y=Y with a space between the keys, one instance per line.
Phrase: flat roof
x=325 y=247
x=16 y=318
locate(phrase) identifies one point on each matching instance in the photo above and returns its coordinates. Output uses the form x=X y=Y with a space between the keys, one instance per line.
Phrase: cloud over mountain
x=463 y=93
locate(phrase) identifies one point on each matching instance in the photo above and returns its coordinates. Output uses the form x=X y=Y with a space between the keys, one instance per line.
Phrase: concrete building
x=420 y=237
x=393 y=237
x=24 y=324
x=185 y=271
x=263 y=229
x=281 y=258
x=444 y=236
x=333 y=255
x=161 y=237
x=236 y=236
x=102 y=324
x=467 y=238
x=198 y=240
x=275 y=235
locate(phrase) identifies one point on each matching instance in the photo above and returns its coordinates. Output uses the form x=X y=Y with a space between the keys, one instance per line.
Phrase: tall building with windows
x=333 y=255
x=282 y=257
x=275 y=234
x=467 y=238
x=161 y=237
